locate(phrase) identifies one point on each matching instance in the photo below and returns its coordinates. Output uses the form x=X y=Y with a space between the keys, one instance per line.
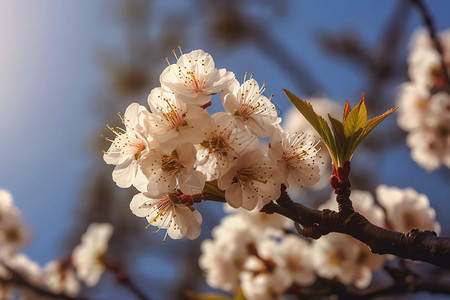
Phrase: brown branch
x=124 y=279
x=415 y=244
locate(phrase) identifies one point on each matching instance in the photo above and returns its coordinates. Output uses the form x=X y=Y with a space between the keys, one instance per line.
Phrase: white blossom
x=406 y=209
x=194 y=77
x=295 y=122
x=295 y=257
x=342 y=257
x=27 y=268
x=58 y=277
x=251 y=109
x=295 y=155
x=222 y=143
x=252 y=181
x=262 y=277
x=14 y=233
x=430 y=147
x=169 y=213
x=172 y=121
x=424 y=61
x=412 y=101
x=223 y=258
x=167 y=171
x=129 y=148
x=88 y=257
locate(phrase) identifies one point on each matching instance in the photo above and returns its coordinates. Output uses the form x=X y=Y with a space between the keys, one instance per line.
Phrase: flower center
x=12 y=234
x=170 y=163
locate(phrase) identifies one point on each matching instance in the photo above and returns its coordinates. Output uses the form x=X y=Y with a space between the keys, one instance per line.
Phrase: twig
x=19 y=281
x=124 y=279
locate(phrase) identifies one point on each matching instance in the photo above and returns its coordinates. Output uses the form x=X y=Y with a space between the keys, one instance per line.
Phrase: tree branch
x=415 y=244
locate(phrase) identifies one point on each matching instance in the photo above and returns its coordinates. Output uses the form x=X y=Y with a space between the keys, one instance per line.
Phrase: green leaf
x=372 y=123
x=316 y=121
x=209 y=296
x=356 y=118
x=339 y=136
x=240 y=295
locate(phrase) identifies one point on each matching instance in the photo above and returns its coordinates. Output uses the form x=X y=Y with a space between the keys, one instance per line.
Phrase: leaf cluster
x=342 y=138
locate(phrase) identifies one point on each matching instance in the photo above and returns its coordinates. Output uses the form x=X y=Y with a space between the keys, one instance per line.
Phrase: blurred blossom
x=406 y=209
x=343 y=257
x=250 y=248
x=14 y=233
x=424 y=103
x=27 y=268
x=263 y=277
x=59 y=278
x=89 y=256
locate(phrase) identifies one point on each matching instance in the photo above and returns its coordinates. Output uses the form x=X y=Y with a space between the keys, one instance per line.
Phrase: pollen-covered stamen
x=216 y=144
x=126 y=141
x=252 y=102
x=246 y=175
x=161 y=212
x=171 y=112
x=193 y=77
x=170 y=163
x=302 y=149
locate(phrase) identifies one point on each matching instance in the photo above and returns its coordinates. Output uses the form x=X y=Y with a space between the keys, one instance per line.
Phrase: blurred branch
x=124 y=279
x=18 y=281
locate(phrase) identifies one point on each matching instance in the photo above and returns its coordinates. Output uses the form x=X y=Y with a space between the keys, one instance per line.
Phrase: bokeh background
x=67 y=68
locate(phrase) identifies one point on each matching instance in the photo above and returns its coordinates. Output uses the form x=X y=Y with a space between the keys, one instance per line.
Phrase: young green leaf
x=372 y=123
x=316 y=121
x=356 y=118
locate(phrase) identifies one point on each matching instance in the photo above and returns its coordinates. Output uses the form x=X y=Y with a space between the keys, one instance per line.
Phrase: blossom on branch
x=406 y=209
x=167 y=212
x=295 y=155
x=173 y=122
x=194 y=77
x=251 y=181
x=89 y=256
x=251 y=109
x=129 y=148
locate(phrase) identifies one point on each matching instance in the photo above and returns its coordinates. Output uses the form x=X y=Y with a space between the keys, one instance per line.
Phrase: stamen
x=174 y=54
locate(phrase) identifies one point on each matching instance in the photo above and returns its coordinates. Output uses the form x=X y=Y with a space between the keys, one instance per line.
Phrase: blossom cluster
x=425 y=101
x=177 y=153
x=61 y=276
x=260 y=253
